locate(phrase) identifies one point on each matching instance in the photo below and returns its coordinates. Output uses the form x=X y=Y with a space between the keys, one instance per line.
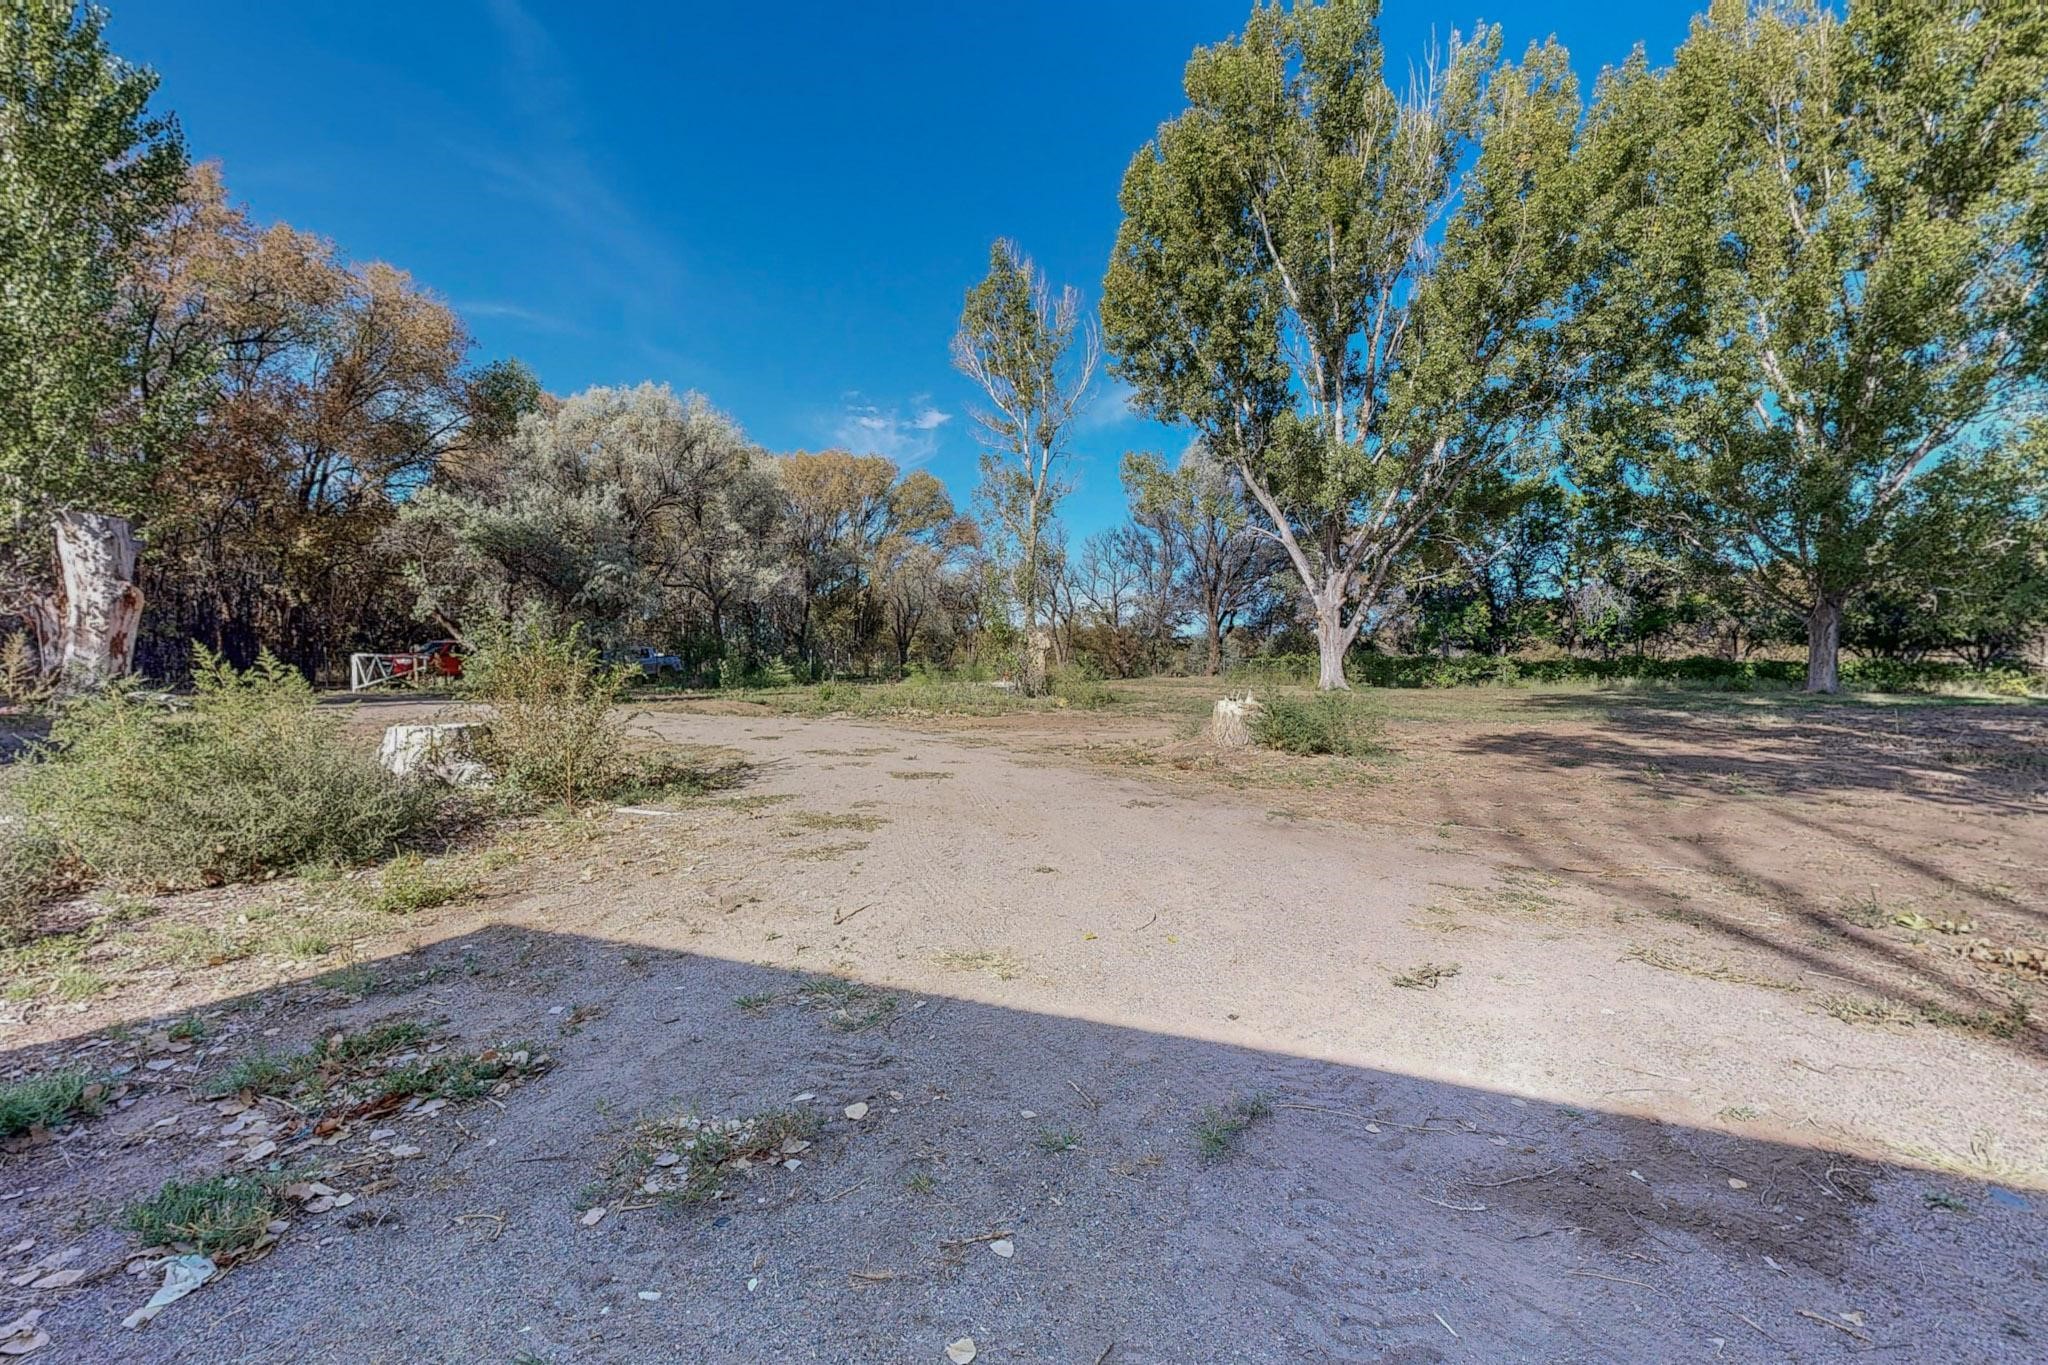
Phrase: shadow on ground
x=1366 y=1216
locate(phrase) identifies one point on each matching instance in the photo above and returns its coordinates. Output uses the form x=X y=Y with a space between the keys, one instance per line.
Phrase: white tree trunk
x=1333 y=640
x=99 y=606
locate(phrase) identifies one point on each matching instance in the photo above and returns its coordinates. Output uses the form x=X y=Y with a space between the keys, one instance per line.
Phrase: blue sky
x=778 y=205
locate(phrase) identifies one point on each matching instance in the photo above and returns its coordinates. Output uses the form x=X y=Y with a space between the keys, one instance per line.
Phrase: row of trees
x=1748 y=349
x=1778 y=311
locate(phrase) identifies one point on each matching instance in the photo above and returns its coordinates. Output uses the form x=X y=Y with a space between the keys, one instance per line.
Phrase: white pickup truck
x=650 y=661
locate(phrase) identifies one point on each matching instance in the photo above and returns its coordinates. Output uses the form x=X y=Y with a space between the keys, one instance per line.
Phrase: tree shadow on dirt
x=1990 y=757
x=1352 y=1214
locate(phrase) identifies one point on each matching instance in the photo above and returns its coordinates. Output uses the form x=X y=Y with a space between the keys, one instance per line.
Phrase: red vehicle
x=435 y=658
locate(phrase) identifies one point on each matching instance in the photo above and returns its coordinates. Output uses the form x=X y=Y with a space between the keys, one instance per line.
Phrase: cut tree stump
x=441 y=753
x=1230 y=725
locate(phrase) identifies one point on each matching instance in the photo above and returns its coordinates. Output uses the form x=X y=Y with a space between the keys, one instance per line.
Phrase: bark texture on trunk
x=1333 y=642
x=100 y=608
x=1230 y=722
x=1824 y=645
x=1037 y=646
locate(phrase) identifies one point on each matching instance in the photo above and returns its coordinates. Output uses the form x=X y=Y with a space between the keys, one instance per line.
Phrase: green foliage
x=410 y=884
x=554 y=735
x=1823 y=251
x=21 y=681
x=1324 y=723
x=1033 y=354
x=330 y=1059
x=85 y=171
x=33 y=869
x=1701 y=672
x=611 y=510
x=1078 y=686
x=46 y=1101
x=253 y=777
x=1278 y=283
x=221 y=1216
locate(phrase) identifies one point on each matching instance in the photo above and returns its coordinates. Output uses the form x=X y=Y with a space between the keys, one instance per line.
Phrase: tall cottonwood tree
x=85 y=170
x=1033 y=353
x=1824 y=271
x=1348 y=291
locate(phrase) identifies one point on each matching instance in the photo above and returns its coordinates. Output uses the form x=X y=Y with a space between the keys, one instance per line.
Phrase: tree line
x=1744 y=351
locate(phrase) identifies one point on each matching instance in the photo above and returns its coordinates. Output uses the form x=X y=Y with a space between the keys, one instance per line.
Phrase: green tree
x=1967 y=570
x=85 y=170
x=1347 y=292
x=1033 y=354
x=1197 y=507
x=1820 y=273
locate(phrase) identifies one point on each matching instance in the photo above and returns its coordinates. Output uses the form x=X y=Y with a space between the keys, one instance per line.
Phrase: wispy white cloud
x=540 y=161
x=1110 y=407
x=512 y=312
x=908 y=434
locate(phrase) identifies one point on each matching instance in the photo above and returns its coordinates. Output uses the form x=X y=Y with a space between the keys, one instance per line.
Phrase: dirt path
x=1560 y=1152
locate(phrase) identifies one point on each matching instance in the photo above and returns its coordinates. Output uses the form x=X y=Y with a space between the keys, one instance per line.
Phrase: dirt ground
x=1735 y=1063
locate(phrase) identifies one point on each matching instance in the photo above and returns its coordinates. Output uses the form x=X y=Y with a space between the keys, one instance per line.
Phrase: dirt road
x=1057 y=979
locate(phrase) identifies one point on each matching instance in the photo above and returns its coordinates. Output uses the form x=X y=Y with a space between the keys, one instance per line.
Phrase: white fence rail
x=384 y=670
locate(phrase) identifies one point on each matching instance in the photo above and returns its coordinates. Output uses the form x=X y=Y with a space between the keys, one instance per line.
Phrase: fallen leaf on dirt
x=667 y=1159
x=259 y=1151
x=1003 y=1247
x=21 y=1336
x=402 y=1152
x=58 y=1279
x=960 y=1352
x=856 y=1112
x=182 y=1275
x=593 y=1217
x=1735 y=1184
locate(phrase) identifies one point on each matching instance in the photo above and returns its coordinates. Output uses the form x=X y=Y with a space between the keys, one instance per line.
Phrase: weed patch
x=1001 y=966
x=225 y=1217
x=1426 y=975
x=251 y=778
x=847 y=1005
x=375 y=1069
x=1218 y=1128
x=410 y=884
x=48 y=1101
x=689 y=1159
x=1336 y=723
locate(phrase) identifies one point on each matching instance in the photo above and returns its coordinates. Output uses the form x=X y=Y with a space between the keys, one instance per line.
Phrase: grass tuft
x=1427 y=975
x=688 y=1159
x=221 y=1217
x=1219 y=1127
x=47 y=1101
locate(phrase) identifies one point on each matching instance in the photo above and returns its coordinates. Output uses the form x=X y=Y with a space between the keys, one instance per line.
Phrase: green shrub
x=46 y=1101
x=1321 y=723
x=1081 y=687
x=411 y=884
x=553 y=734
x=251 y=778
